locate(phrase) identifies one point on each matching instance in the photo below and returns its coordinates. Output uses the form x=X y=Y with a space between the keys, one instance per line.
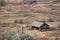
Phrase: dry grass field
x=9 y=30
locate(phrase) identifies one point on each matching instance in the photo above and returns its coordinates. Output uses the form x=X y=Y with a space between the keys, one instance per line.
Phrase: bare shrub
x=7 y=25
x=27 y=15
x=13 y=35
x=19 y=21
x=30 y=2
x=58 y=0
x=51 y=20
x=58 y=26
x=15 y=21
x=2 y=3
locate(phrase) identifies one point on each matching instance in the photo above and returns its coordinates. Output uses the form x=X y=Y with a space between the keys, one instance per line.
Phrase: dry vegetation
x=14 y=17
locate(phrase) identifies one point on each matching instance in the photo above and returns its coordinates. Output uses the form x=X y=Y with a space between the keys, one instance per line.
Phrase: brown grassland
x=10 y=30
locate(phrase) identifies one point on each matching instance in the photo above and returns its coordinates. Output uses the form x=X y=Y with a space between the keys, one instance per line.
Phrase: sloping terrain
x=29 y=13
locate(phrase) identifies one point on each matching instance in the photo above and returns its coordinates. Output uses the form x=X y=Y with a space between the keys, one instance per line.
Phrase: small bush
x=58 y=26
x=2 y=3
x=15 y=35
x=15 y=21
x=30 y=2
x=51 y=20
x=18 y=21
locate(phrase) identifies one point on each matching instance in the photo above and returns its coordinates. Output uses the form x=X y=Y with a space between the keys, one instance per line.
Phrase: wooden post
x=22 y=30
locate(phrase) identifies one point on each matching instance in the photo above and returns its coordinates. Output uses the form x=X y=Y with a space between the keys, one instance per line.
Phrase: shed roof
x=36 y=24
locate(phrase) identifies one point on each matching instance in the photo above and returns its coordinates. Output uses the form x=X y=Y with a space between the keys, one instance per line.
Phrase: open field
x=29 y=13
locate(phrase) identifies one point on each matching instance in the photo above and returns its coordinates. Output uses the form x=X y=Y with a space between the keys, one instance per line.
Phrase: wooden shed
x=39 y=25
